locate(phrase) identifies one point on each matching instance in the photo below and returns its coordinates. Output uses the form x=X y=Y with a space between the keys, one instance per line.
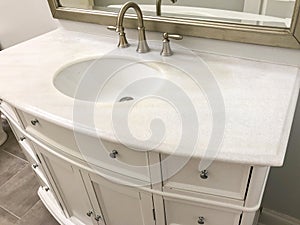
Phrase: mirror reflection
x=274 y=13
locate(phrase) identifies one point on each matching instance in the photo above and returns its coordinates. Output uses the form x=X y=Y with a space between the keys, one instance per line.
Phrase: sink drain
x=125 y=99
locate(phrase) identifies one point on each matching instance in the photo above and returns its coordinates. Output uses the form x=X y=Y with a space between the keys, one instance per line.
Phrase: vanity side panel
x=255 y=192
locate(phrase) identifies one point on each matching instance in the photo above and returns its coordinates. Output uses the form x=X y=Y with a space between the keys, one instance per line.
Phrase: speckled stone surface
x=259 y=98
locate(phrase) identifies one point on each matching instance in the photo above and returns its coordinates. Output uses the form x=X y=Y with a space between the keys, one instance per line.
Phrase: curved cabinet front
x=88 y=194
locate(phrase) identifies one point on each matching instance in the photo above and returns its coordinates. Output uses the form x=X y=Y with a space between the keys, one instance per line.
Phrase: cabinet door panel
x=70 y=186
x=122 y=205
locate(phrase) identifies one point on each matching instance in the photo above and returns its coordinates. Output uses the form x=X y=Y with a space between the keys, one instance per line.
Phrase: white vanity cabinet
x=224 y=193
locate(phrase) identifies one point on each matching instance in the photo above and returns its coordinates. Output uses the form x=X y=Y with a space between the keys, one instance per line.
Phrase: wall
x=283 y=188
x=22 y=20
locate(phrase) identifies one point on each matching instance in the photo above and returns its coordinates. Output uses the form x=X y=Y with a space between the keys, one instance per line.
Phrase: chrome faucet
x=158 y=6
x=123 y=43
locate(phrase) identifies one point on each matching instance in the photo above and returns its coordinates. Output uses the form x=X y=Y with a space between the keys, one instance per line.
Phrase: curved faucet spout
x=142 y=43
x=158 y=6
x=124 y=9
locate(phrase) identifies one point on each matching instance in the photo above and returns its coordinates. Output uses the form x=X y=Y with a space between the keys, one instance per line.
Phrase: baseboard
x=271 y=217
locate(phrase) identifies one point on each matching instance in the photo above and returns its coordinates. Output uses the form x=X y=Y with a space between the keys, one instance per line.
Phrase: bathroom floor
x=19 y=202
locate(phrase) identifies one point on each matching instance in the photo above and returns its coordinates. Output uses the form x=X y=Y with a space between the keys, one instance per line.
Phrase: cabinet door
x=120 y=205
x=70 y=187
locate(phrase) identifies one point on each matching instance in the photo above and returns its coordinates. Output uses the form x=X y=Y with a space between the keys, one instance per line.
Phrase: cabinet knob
x=114 y=154
x=89 y=213
x=34 y=122
x=204 y=174
x=35 y=166
x=201 y=220
x=47 y=189
x=22 y=138
x=97 y=217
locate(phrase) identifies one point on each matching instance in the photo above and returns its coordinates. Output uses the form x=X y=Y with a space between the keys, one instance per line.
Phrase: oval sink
x=111 y=79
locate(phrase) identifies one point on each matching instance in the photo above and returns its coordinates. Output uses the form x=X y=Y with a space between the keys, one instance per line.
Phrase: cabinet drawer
x=103 y=154
x=223 y=179
x=50 y=133
x=127 y=162
x=184 y=213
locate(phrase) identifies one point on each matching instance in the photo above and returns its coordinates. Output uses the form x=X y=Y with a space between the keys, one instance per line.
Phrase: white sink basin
x=107 y=79
x=111 y=79
x=125 y=75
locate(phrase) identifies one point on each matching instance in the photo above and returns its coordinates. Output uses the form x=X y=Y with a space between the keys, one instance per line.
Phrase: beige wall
x=283 y=188
x=21 y=20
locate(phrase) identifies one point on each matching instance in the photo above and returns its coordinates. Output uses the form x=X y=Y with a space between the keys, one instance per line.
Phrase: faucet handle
x=173 y=36
x=166 y=49
x=113 y=28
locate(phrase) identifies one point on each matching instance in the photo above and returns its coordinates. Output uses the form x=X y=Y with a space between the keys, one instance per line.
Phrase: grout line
x=14 y=175
x=15 y=155
x=11 y=213
x=31 y=208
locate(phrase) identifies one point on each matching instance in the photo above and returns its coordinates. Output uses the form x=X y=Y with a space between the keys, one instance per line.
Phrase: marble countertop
x=259 y=100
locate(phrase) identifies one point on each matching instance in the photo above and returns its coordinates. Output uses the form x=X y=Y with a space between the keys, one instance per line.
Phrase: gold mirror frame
x=271 y=36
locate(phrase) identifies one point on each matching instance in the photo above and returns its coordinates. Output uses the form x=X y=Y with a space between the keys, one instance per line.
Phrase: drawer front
x=222 y=179
x=184 y=213
x=125 y=161
x=103 y=154
x=56 y=136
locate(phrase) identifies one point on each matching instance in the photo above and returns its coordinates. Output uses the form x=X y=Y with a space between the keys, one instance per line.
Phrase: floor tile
x=19 y=194
x=9 y=166
x=38 y=215
x=6 y=218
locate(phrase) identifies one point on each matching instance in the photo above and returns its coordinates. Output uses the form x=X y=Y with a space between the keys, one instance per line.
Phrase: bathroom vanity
x=259 y=101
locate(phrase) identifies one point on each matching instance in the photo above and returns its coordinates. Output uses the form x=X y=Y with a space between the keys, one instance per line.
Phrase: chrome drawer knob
x=35 y=166
x=89 y=213
x=114 y=154
x=204 y=174
x=97 y=217
x=201 y=220
x=34 y=122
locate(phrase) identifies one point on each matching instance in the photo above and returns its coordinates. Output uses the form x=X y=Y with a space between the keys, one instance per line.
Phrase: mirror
x=269 y=22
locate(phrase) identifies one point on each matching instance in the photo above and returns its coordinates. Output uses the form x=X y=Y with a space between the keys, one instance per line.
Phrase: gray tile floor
x=19 y=202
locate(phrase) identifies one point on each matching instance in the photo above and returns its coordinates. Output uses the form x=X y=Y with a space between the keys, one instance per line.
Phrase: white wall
x=21 y=20
x=283 y=188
